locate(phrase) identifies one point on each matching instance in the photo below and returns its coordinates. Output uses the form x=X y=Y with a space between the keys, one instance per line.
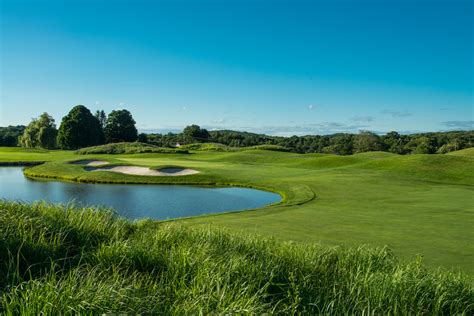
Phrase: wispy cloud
x=218 y=121
x=311 y=107
x=458 y=124
x=395 y=113
x=297 y=129
x=316 y=128
x=364 y=119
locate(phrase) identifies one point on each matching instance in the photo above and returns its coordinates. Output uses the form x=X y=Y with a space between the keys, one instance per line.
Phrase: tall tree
x=120 y=127
x=102 y=117
x=79 y=128
x=40 y=133
x=367 y=141
x=196 y=133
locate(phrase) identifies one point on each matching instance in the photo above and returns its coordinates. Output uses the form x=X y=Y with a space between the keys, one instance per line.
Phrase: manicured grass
x=463 y=152
x=418 y=204
x=58 y=259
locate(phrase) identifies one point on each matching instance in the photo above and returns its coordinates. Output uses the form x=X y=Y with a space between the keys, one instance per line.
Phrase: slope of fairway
x=463 y=152
x=442 y=168
x=416 y=204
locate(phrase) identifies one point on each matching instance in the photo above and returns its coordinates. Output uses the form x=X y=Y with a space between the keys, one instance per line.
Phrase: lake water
x=134 y=200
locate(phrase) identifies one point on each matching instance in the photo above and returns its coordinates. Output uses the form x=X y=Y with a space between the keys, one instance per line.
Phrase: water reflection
x=134 y=201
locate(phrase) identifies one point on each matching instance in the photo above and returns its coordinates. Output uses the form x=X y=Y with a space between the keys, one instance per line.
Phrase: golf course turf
x=368 y=233
x=415 y=205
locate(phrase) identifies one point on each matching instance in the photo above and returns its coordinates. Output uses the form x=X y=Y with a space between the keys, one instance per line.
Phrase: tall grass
x=90 y=261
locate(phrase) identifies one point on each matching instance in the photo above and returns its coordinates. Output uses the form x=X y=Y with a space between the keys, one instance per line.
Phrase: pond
x=135 y=200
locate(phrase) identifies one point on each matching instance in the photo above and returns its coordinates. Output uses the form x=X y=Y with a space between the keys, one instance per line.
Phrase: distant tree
x=102 y=117
x=143 y=138
x=367 y=141
x=421 y=145
x=394 y=143
x=29 y=139
x=196 y=133
x=449 y=147
x=9 y=136
x=340 y=144
x=120 y=127
x=40 y=133
x=79 y=128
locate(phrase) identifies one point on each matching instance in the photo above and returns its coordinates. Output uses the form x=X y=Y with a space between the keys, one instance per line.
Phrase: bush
x=207 y=147
x=128 y=148
x=268 y=147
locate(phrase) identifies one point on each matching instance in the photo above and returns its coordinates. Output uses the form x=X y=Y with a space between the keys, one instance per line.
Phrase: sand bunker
x=144 y=171
x=91 y=163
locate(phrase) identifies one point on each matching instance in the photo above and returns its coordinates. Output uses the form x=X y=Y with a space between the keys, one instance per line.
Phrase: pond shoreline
x=165 y=202
x=21 y=163
x=140 y=180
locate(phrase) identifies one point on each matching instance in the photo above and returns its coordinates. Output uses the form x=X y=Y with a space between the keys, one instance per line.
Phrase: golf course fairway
x=414 y=204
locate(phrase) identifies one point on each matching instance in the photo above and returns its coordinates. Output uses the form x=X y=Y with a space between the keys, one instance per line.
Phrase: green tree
x=79 y=128
x=449 y=147
x=40 y=133
x=196 y=133
x=143 y=138
x=340 y=144
x=102 y=117
x=120 y=127
x=367 y=141
x=421 y=145
x=394 y=143
x=9 y=136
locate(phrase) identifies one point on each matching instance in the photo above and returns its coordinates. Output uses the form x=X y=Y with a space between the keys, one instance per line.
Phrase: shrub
x=129 y=148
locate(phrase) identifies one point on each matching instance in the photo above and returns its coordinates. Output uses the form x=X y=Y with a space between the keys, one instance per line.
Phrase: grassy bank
x=416 y=205
x=58 y=258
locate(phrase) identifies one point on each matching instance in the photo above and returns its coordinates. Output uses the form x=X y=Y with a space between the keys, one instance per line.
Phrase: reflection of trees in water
x=134 y=201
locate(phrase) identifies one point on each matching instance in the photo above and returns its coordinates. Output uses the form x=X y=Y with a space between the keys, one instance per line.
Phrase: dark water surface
x=134 y=200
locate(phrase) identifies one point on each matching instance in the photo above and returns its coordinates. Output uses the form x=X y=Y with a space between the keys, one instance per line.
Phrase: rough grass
x=208 y=147
x=128 y=148
x=59 y=259
x=268 y=147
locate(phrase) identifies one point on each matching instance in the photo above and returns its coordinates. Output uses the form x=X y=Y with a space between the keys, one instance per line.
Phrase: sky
x=276 y=67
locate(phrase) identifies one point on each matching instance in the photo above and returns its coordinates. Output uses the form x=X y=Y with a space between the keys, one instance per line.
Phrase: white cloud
x=323 y=128
x=459 y=124
x=365 y=119
x=311 y=107
x=218 y=121
x=396 y=113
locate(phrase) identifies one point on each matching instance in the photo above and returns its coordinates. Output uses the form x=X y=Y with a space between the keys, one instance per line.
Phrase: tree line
x=340 y=143
x=80 y=128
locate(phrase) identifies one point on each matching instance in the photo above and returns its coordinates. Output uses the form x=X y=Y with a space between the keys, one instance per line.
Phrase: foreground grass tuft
x=64 y=259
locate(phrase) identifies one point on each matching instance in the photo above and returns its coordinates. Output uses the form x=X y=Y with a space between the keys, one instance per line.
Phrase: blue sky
x=279 y=67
